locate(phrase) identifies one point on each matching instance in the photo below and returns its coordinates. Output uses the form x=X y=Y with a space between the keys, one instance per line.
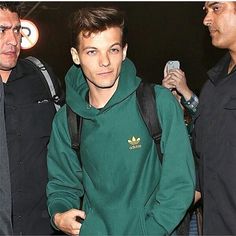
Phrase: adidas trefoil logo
x=134 y=143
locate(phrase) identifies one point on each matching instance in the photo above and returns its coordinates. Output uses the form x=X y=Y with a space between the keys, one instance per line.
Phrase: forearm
x=191 y=104
x=187 y=94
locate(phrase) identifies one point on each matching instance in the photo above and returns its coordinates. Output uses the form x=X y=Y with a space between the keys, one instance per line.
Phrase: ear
x=125 y=51
x=75 y=56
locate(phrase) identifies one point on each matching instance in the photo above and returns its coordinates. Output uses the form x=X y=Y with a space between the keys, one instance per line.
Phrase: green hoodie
x=125 y=189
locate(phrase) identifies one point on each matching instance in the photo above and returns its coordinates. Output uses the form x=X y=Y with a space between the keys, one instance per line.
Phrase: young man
x=28 y=117
x=125 y=189
x=215 y=129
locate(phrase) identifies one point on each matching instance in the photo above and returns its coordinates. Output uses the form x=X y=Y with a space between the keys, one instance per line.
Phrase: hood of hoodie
x=77 y=89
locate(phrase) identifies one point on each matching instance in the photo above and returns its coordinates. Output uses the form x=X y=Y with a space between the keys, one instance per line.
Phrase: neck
x=231 y=66
x=98 y=97
x=232 y=61
x=4 y=75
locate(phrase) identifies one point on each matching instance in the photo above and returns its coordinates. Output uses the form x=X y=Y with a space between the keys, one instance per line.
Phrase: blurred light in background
x=30 y=34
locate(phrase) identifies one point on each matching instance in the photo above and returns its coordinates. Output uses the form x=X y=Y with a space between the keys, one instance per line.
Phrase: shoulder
x=164 y=95
x=167 y=105
x=39 y=68
x=28 y=66
x=61 y=116
x=25 y=66
x=60 y=123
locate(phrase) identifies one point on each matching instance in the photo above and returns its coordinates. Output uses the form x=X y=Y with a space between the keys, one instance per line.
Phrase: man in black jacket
x=215 y=125
x=29 y=111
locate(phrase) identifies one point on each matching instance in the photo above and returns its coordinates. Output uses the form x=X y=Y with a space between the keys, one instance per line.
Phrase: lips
x=213 y=31
x=10 y=53
x=105 y=73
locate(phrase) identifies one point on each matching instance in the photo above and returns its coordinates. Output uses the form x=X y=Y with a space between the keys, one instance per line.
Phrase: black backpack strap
x=75 y=127
x=147 y=107
x=47 y=80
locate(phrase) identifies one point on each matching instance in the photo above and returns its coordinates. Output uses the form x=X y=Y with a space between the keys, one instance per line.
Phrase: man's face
x=100 y=56
x=10 y=37
x=221 y=21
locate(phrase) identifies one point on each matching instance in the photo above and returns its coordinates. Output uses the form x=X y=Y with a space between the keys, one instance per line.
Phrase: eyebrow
x=115 y=44
x=5 y=27
x=18 y=26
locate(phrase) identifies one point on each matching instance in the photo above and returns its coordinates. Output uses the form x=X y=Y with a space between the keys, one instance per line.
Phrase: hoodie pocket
x=151 y=226
x=85 y=223
x=114 y=222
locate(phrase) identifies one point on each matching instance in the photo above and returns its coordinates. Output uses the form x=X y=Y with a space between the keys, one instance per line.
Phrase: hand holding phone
x=167 y=81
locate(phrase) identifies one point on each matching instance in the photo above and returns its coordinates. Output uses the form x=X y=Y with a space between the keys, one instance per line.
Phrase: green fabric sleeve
x=177 y=183
x=64 y=188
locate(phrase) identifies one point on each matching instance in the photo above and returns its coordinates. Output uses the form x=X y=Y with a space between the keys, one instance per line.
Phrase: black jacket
x=215 y=143
x=28 y=114
x=5 y=188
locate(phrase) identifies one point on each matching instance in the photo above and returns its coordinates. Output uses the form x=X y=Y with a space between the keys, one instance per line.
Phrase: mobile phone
x=171 y=65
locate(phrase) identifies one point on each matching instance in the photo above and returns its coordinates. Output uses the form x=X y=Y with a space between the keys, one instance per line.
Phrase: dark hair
x=12 y=7
x=96 y=19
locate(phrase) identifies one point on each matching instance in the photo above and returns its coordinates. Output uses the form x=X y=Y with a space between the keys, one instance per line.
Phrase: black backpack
x=147 y=107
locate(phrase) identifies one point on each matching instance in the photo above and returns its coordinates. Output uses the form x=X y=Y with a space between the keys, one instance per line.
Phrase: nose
x=13 y=38
x=207 y=21
x=104 y=60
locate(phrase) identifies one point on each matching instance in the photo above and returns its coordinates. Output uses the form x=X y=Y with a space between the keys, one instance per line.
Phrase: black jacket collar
x=220 y=71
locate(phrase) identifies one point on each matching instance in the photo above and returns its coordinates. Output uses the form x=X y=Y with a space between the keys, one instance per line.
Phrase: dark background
x=157 y=32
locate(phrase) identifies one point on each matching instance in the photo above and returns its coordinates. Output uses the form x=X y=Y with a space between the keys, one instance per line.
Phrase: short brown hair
x=96 y=19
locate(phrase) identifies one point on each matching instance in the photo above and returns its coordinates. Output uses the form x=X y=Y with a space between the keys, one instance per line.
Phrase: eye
x=115 y=50
x=2 y=30
x=217 y=8
x=17 y=30
x=91 y=52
